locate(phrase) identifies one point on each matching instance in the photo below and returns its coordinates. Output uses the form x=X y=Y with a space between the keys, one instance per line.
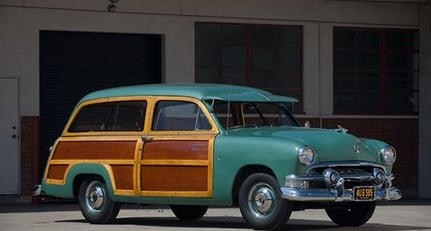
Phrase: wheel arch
x=243 y=173
x=79 y=172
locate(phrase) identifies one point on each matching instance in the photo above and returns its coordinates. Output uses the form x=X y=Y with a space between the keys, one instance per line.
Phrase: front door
x=177 y=157
x=9 y=137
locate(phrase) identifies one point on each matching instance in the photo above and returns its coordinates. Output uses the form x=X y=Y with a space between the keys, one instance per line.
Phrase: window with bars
x=268 y=57
x=375 y=71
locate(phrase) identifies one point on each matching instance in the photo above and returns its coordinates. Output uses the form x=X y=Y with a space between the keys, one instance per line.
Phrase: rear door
x=107 y=134
x=177 y=157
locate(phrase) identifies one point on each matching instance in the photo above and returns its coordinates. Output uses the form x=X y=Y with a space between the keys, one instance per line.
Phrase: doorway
x=9 y=136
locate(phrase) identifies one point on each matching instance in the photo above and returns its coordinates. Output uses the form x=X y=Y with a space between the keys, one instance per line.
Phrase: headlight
x=306 y=155
x=388 y=155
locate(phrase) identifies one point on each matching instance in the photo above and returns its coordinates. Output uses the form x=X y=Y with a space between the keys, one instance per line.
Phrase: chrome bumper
x=333 y=195
x=297 y=188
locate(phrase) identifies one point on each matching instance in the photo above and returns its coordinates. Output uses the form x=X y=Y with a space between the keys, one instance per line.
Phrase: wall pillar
x=424 y=163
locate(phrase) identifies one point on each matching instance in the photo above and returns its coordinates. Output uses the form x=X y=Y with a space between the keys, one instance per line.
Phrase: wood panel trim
x=176 y=194
x=93 y=161
x=174 y=178
x=81 y=150
x=123 y=176
x=176 y=162
x=57 y=172
x=176 y=150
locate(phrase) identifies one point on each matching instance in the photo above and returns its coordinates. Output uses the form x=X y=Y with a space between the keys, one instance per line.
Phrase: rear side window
x=112 y=116
x=179 y=116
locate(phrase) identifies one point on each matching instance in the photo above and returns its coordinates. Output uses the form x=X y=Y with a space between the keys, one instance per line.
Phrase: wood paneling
x=56 y=172
x=174 y=178
x=176 y=150
x=123 y=175
x=81 y=150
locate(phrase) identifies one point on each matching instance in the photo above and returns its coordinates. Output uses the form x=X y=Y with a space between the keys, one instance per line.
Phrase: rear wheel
x=95 y=203
x=353 y=214
x=189 y=212
x=261 y=204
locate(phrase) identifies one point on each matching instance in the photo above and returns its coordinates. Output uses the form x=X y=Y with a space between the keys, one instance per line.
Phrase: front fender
x=232 y=153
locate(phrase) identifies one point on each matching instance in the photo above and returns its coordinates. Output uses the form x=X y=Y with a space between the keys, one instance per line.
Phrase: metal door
x=9 y=137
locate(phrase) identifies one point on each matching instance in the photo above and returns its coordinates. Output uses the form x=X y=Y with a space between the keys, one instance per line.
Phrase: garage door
x=73 y=64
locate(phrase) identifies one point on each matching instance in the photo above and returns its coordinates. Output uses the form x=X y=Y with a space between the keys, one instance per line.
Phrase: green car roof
x=198 y=91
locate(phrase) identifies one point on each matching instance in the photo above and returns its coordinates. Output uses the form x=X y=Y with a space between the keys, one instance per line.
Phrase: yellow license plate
x=364 y=193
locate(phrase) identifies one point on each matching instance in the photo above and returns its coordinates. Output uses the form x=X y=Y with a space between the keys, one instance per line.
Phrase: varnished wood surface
x=57 y=172
x=176 y=150
x=79 y=150
x=174 y=178
x=123 y=175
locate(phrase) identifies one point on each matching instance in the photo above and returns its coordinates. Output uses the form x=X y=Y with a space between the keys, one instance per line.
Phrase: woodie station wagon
x=192 y=146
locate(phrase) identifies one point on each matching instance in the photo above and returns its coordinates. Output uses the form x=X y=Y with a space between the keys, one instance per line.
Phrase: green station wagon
x=192 y=146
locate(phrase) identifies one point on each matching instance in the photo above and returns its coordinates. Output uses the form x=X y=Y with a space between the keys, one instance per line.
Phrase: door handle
x=146 y=138
x=14 y=136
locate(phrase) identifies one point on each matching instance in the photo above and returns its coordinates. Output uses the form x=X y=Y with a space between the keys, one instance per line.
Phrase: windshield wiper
x=243 y=126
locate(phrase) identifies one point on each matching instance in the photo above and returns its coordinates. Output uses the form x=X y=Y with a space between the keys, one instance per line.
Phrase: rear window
x=112 y=116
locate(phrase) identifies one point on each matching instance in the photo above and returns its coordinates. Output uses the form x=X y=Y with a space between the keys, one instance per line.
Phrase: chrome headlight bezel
x=388 y=155
x=306 y=155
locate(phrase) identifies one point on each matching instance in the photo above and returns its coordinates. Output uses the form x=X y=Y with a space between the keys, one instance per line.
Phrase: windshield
x=253 y=114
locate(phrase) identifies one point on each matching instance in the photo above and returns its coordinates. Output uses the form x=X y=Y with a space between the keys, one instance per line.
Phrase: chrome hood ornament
x=356 y=149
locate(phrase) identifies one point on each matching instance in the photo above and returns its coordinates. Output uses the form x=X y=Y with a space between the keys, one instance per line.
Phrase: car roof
x=198 y=91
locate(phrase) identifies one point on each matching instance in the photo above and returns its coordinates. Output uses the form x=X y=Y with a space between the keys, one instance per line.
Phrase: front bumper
x=338 y=185
x=333 y=195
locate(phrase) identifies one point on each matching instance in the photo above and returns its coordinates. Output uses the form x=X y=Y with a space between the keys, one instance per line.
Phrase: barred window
x=268 y=57
x=375 y=71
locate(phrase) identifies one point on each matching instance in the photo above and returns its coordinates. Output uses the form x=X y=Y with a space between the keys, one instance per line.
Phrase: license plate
x=363 y=193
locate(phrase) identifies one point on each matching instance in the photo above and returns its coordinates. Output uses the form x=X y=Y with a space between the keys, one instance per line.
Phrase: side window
x=179 y=116
x=113 y=116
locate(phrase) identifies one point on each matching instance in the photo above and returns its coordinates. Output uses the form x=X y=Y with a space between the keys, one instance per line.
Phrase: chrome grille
x=354 y=174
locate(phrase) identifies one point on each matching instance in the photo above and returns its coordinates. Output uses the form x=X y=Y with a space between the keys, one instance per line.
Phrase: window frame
x=382 y=91
x=158 y=116
x=101 y=129
x=247 y=69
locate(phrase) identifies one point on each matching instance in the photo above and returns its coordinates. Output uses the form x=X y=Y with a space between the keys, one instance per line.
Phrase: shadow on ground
x=238 y=223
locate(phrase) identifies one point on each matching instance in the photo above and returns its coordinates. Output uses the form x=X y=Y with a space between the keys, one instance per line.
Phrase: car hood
x=329 y=144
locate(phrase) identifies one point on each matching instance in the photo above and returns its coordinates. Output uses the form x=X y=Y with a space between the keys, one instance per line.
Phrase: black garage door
x=73 y=64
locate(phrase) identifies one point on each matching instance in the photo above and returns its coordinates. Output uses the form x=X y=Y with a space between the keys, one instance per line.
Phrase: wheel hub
x=262 y=199
x=95 y=196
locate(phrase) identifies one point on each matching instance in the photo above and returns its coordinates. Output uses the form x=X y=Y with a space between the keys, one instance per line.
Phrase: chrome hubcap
x=94 y=195
x=261 y=199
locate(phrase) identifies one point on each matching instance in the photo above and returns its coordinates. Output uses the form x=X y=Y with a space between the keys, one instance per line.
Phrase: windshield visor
x=253 y=114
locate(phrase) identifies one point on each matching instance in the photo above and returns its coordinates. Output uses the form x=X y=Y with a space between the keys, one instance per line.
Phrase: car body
x=191 y=146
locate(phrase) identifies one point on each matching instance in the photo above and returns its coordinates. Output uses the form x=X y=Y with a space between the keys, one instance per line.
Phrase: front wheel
x=352 y=214
x=95 y=203
x=189 y=212
x=261 y=204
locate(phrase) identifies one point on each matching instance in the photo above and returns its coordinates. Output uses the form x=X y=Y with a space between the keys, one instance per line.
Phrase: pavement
x=60 y=216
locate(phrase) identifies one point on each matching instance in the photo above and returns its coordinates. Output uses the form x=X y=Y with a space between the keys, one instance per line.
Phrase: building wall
x=21 y=21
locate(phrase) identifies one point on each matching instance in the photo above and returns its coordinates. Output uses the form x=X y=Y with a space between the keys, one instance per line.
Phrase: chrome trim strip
x=344 y=164
x=347 y=177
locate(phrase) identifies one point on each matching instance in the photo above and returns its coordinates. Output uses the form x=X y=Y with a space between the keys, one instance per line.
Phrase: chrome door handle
x=146 y=138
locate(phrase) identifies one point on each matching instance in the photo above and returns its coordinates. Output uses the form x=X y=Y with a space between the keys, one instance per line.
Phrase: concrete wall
x=19 y=42
x=20 y=22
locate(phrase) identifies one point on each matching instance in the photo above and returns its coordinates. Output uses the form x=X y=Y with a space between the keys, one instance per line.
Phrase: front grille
x=354 y=175
x=344 y=170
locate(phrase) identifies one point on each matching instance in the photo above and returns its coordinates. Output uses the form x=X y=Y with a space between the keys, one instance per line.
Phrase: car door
x=177 y=157
x=103 y=133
